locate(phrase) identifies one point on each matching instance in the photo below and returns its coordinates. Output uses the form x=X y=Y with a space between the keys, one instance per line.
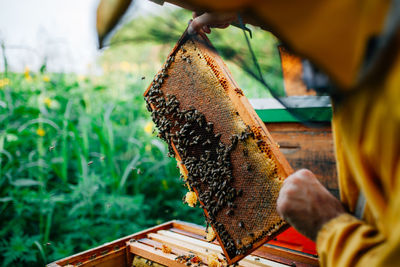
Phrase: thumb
x=197 y=23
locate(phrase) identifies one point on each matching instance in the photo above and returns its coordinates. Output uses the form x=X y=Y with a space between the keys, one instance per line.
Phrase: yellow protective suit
x=366 y=122
x=367 y=137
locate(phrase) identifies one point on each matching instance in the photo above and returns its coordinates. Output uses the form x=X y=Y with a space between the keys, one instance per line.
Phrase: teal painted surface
x=322 y=114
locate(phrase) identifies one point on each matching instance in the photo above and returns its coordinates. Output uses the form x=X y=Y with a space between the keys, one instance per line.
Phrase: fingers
x=199 y=22
x=205 y=21
x=206 y=29
x=305 y=203
x=196 y=14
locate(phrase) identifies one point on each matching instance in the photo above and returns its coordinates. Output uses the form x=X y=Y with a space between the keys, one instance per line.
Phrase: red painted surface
x=294 y=240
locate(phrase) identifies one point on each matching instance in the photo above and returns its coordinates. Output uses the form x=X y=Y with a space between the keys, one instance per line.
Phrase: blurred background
x=80 y=163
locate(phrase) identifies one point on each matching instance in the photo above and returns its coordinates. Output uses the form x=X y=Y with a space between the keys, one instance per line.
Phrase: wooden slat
x=250 y=259
x=308 y=147
x=191 y=240
x=190 y=227
x=154 y=255
x=111 y=260
x=300 y=259
x=186 y=233
x=158 y=246
x=107 y=250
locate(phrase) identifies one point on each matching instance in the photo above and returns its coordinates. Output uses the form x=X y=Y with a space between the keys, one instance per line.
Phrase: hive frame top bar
x=247 y=114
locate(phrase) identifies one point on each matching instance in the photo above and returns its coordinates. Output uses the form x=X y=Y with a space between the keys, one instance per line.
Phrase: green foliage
x=79 y=166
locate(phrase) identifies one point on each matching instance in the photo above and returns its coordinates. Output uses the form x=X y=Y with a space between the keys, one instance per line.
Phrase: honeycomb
x=223 y=149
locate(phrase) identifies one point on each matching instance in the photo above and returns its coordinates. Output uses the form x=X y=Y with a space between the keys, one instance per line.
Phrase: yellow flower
x=46 y=78
x=47 y=101
x=4 y=82
x=149 y=127
x=27 y=74
x=125 y=66
x=40 y=132
x=164 y=184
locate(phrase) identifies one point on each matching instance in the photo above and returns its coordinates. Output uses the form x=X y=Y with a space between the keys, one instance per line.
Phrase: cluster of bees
x=189 y=260
x=195 y=261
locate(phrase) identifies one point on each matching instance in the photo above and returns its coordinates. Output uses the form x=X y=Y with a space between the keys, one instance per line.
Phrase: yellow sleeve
x=347 y=241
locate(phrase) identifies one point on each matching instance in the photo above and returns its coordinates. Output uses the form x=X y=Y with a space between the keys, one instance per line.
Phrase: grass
x=79 y=166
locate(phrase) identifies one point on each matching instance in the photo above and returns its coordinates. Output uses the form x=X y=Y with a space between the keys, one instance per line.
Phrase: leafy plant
x=79 y=166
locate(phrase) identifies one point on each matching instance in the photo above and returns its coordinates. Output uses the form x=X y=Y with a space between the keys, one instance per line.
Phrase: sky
x=58 y=32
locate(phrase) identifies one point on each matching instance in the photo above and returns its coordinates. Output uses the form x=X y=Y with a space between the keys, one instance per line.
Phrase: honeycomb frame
x=217 y=131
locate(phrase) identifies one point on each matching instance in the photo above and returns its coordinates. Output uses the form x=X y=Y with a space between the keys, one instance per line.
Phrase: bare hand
x=305 y=203
x=207 y=21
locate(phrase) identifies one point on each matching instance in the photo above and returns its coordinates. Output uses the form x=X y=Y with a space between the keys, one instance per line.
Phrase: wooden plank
x=189 y=227
x=209 y=246
x=154 y=255
x=285 y=256
x=183 y=232
x=111 y=260
x=193 y=241
x=157 y=245
x=107 y=250
x=309 y=147
x=128 y=255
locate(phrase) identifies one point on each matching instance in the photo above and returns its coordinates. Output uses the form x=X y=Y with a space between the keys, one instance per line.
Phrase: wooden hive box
x=182 y=239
